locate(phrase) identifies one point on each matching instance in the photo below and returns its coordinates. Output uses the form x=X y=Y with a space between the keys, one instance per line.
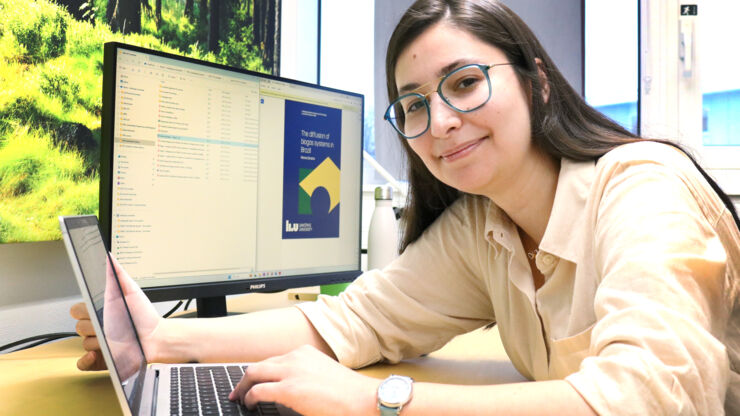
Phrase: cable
x=167 y=315
x=40 y=339
x=49 y=339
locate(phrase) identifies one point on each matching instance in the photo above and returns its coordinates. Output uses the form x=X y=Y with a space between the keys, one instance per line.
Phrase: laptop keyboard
x=204 y=391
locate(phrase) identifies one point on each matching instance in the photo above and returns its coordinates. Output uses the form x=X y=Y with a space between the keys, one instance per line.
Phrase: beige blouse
x=639 y=310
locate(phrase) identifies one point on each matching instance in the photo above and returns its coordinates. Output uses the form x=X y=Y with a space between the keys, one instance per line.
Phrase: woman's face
x=478 y=152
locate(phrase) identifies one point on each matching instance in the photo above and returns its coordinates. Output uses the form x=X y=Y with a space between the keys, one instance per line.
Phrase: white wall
x=36 y=289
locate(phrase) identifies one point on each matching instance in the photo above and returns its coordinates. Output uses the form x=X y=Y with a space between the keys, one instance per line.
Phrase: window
x=347 y=58
x=299 y=48
x=690 y=91
x=720 y=85
x=611 y=52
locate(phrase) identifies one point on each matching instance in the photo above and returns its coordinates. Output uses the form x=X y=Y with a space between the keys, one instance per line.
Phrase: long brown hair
x=564 y=127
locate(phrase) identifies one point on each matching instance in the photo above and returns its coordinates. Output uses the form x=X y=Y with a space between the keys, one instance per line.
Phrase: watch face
x=394 y=390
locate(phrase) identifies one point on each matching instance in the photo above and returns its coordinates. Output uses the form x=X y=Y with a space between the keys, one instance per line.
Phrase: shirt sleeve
x=660 y=305
x=415 y=305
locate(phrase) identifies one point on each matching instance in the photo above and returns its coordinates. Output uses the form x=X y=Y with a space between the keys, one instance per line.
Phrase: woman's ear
x=543 y=79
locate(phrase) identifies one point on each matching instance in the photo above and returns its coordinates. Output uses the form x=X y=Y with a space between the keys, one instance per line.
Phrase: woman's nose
x=443 y=119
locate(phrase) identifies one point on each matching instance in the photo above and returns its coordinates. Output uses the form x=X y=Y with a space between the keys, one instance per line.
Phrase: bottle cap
x=383 y=192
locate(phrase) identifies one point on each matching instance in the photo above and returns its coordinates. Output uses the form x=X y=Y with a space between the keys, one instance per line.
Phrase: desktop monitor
x=217 y=180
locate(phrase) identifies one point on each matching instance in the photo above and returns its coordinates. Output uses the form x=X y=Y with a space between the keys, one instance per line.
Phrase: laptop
x=141 y=389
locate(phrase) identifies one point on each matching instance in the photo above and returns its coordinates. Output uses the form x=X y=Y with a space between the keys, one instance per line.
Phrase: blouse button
x=548 y=259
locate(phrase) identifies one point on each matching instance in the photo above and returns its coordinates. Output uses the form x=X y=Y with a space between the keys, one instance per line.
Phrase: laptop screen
x=110 y=307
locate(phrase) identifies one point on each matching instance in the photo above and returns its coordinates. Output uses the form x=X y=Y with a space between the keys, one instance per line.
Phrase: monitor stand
x=211 y=307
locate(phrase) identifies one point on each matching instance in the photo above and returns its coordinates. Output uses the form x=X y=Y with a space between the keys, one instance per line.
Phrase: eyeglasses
x=465 y=89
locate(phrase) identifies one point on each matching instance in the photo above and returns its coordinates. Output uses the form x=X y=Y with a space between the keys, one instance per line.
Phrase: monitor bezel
x=208 y=289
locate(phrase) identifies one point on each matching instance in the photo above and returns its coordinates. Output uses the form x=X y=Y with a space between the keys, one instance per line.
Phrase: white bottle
x=382 y=238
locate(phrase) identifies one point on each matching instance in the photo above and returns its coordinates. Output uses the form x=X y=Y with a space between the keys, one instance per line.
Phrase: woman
x=608 y=262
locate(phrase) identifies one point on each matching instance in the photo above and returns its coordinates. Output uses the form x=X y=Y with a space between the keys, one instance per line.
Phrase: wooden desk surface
x=45 y=379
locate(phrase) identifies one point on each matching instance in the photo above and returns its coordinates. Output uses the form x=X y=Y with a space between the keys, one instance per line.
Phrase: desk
x=45 y=380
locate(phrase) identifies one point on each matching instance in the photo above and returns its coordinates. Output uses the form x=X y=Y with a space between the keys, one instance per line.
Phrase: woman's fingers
x=262 y=392
x=90 y=344
x=91 y=361
x=84 y=328
x=256 y=374
x=93 y=358
x=307 y=381
x=79 y=311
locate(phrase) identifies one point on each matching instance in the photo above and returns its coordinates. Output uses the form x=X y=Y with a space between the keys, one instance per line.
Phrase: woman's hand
x=309 y=382
x=143 y=313
x=93 y=359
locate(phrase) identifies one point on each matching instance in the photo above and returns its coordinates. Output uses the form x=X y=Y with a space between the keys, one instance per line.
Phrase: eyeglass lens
x=464 y=90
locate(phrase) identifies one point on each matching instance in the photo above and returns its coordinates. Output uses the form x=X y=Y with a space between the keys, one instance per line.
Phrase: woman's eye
x=414 y=106
x=466 y=83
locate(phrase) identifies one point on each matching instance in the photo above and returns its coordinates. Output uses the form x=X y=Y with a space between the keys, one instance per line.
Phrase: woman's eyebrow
x=454 y=65
x=408 y=88
x=413 y=86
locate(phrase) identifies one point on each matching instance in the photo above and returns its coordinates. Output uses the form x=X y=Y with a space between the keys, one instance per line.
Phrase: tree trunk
x=269 y=35
x=259 y=10
x=228 y=12
x=189 y=6
x=214 y=20
x=276 y=40
x=265 y=23
x=158 y=12
x=124 y=16
x=203 y=16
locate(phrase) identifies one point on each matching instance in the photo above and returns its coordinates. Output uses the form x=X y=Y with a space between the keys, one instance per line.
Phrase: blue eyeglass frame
x=442 y=79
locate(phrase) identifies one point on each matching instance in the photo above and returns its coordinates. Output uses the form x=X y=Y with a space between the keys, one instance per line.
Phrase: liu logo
x=290 y=228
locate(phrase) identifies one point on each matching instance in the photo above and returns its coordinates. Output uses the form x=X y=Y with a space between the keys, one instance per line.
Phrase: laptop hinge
x=154 y=394
x=148 y=405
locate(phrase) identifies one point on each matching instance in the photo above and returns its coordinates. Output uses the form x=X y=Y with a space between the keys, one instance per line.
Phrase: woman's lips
x=461 y=151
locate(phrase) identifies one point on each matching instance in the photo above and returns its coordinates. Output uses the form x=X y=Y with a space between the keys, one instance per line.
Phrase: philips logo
x=259 y=286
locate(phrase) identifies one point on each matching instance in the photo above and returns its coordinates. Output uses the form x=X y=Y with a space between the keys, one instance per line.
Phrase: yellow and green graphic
x=326 y=176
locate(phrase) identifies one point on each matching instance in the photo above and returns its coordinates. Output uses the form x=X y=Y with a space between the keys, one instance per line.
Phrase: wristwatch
x=393 y=393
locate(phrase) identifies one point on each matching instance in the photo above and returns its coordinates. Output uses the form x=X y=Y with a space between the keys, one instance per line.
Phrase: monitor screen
x=217 y=180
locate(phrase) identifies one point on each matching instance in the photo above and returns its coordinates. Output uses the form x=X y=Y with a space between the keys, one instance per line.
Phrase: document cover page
x=311 y=171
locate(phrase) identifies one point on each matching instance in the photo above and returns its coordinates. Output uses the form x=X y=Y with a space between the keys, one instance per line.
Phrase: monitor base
x=211 y=307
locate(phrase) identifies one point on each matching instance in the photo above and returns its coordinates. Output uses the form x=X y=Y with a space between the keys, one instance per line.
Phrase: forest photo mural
x=51 y=62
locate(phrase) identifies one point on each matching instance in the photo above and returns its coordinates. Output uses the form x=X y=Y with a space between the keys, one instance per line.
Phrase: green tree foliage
x=38 y=183
x=35 y=33
x=51 y=69
x=175 y=29
x=56 y=82
x=237 y=44
x=239 y=48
